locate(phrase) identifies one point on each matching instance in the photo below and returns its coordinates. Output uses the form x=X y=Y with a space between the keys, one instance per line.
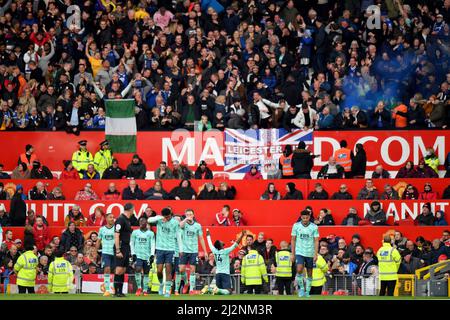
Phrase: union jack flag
x=261 y=147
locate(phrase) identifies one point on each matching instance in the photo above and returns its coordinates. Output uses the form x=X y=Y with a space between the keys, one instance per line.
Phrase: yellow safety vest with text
x=319 y=271
x=25 y=268
x=81 y=160
x=60 y=275
x=103 y=160
x=389 y=260
x=253 y=269
x=284 y=264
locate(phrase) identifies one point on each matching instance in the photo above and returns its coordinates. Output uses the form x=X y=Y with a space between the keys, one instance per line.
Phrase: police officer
x=389 y=260
x=82 y=158
x=103 y=158
x=318 y=276
x=253 y=271
x=60 y=274
x=283 y=263
x=25 y=268
x=122 y=235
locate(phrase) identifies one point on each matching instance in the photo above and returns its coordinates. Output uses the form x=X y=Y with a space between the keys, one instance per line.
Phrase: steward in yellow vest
x=82 y=158
x=389 y=260
x=25 y=268
x=103 y=158
x=283 y=274
x=318 y=275
x=60 y=274
x=253 y=271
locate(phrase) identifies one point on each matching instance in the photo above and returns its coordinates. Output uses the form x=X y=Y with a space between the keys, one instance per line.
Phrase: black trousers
x=26 y=289
x=283 y=284
x=316 y=290
x=387 y=287
x=256 y=288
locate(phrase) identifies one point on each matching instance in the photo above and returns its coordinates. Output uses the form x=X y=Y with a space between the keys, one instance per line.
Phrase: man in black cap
x=122 y=235
x=40 y=172
x=28 y=157
x=103 y=158
x=82 y=158
x=114 y=171
x=203 y=172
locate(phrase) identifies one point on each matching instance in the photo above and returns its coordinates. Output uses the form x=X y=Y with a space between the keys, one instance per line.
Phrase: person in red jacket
x=428 y=193
x=40 y=234
x=223 y=217
x=253 y=174
x=69 y=172
x=97 y=219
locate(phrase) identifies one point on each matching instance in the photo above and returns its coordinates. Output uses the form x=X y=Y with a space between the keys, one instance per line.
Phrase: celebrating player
x=106 y=241
x=222 y=256
x=304 y=244
x=167 y=230
x=143 y=251
x=191 y=233
x=122 y=245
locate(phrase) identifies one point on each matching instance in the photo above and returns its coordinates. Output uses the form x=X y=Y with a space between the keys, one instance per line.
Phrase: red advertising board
x=389 y=148
x=255 y=212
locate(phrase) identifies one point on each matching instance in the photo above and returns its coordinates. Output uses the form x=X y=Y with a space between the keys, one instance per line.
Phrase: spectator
x=292 y=193
x=271 y=193
x=56 y=194
x=426 y=217
x=21 y=172
x=399 y=241
x=208 y=192
x=114 y=171
x=4 y=217
x=428 y=193
x=223 y=217
x=400 y=116
x=369 y=192
x=18 y=208
x=203 y=172
x=375 y=215
x=440 y=219
x=324 y=218
x=253 y=174
x=360 y=117
x=380 y=173
x=112 y=194
x=86 y=194
x=342 y=194
x=268 y=253
x=381 y=118
x=132 y=192
x=226 y=192
x=72 y=238
x=3 y=175
x=407 y=171
x=156 y=192
x=4 y=195
x=97 y=219
x=416 y=114
x=136 y=169
x=69 y=172
x=80 y=264
x=331 y=170
x=409 y=263
x=389 y=193
x=40 y=234
x=183 y=191
x=76 y=217
x=425 y=171
x=91 y=173
x=302 y=162
x=163 y=172
x=352 y=218
x=31 y=218
x=410 y=193
x=319 y=193
x=359 y=162
x=40 y=172
x=273 y=172
x=236 y=219
x=431 y=159
x=437 y=250
x=180 y=171
x=446 y=193
x=38 y=192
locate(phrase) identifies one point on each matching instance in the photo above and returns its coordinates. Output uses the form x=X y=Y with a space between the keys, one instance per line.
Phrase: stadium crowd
x=225 y=64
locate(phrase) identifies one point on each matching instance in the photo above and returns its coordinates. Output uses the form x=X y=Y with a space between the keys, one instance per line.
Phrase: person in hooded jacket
x=439 y=219
x=208 y=192
x=75 y=216
x=292 y=193
x=18 y=208
x=302 y=162
x=359 y=162
x=408 y=171
x=352 y=218
x=40 y=172
x=425 y=171
x=136 y=169
x=183 y=191
x=203 y=172
x=428 y=193
x=376 y=216
x=71 y=237
x=253 y=173
x=271 y=193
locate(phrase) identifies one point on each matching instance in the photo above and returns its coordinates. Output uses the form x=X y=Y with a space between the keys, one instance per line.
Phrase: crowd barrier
x=254 y=212
x=233 y=150
x=245 y=190
x=370 y=236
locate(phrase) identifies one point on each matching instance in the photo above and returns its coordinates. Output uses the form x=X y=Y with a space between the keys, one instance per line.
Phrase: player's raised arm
x=208 y=238
x=154 y=219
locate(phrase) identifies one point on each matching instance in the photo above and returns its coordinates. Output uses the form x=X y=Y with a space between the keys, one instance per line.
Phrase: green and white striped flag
x=120 y=127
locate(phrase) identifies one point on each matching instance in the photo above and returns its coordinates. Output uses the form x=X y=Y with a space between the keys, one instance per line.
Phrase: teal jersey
x=142 y=244
x=304 y=244
x=222 y=257
x=106 y=235
x=166 y=235
x=189 y=236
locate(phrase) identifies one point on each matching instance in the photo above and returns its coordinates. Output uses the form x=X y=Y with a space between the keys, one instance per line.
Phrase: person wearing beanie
x=28 y=157
x=376 y=216
x=440 y=219
x=40 y=172
x=426 y=217
x=18 y=208
x=292 y=193
x=136 y=169
x=302 y=162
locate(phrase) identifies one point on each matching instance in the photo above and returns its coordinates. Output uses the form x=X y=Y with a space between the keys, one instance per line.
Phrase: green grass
x=199 y=297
